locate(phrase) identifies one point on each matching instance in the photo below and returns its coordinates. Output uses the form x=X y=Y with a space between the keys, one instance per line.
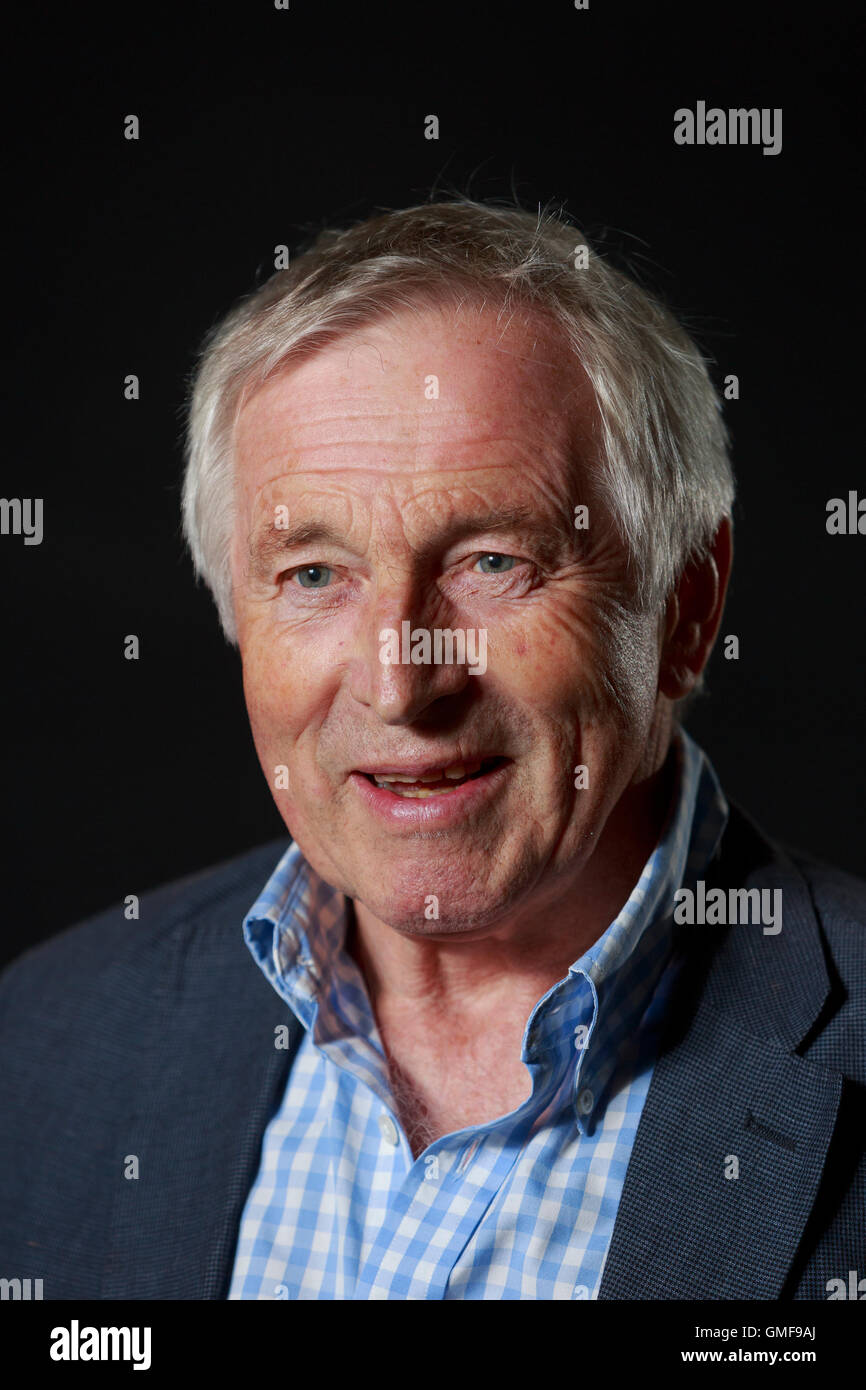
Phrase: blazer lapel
x=209 y=1076
x=732 y=1141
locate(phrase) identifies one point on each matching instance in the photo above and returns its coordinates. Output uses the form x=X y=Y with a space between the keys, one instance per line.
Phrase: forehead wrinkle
x=442 y=485
x=332 y=403
x=334 y=505
x=559 y=455
x=458 y=522
x=418 y=424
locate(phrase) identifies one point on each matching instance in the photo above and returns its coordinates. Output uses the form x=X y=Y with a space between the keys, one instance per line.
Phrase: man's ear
x=692 y=616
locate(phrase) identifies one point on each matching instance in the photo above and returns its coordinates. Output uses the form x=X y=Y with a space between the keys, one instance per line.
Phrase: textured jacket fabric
x=154 y=1041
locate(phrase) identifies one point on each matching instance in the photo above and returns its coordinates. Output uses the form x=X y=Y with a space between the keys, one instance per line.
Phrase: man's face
x=364 y=501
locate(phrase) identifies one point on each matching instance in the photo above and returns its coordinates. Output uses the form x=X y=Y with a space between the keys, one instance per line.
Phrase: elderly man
x=525 y=1009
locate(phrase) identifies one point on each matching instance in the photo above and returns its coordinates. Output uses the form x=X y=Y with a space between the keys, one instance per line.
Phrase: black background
x=258 y=126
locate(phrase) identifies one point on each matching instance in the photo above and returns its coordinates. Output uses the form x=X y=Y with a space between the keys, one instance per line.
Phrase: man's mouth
x=435 y=781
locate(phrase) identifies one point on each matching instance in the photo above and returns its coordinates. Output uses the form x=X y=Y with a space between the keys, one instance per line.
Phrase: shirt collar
x=620 y=979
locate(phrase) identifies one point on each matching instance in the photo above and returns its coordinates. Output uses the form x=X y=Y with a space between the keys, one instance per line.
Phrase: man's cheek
x=559 y=663
x=270 y=711
x=268 y=682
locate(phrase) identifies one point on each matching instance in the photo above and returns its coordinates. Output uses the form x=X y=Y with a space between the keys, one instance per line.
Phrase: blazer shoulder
x=837 y=894
x=223 y=892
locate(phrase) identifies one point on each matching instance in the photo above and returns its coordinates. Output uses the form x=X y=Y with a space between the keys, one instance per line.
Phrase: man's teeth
x=419 y=793
x=420 y=786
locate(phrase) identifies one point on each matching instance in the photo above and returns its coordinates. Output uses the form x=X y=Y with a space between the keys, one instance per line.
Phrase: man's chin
x=426 y=913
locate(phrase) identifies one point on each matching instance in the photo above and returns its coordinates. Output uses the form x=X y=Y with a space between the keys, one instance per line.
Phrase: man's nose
x=398 y=675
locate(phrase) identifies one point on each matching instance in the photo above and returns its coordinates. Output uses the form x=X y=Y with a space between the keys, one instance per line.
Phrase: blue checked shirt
x=522 y=1207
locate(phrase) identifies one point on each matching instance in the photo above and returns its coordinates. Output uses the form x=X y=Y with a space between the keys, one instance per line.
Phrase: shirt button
x=389 y=1129
x=585 y=1102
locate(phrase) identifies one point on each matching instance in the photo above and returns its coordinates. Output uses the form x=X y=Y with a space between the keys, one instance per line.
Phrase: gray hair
x=664 y=470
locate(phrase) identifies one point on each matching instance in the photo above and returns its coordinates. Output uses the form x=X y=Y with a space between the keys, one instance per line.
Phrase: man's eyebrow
x=273 y=541
x=548 y=534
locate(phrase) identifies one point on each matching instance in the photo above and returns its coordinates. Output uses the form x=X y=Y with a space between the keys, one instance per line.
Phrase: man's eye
x=313 y=576
x=498 y=564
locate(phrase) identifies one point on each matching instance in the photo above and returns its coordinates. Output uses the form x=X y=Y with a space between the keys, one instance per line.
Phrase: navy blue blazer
x=155 y=1039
